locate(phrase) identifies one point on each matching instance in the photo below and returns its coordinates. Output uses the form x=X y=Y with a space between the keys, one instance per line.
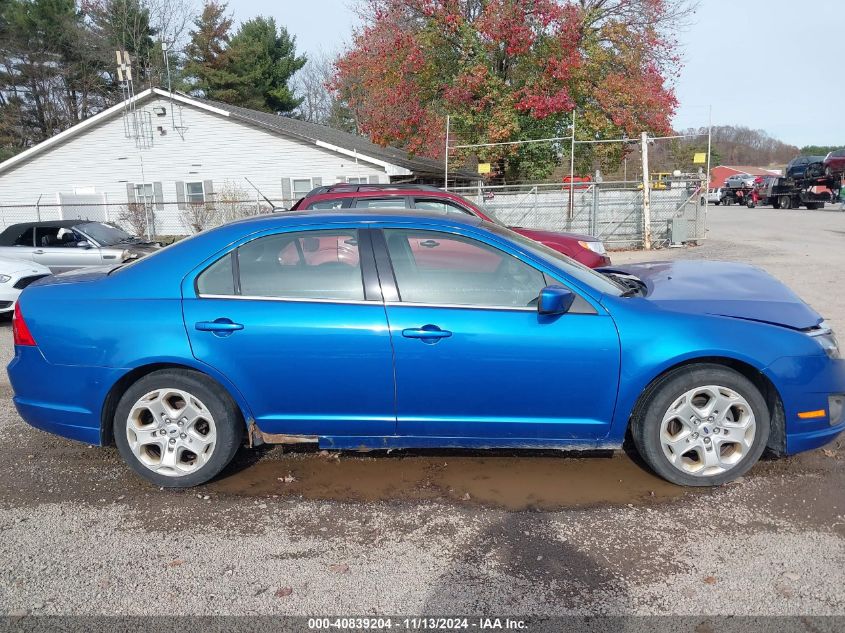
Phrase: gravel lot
x=440 y=533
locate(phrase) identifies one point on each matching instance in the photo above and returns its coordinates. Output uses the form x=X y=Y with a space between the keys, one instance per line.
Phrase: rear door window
x=395 y=202
x=302 y=265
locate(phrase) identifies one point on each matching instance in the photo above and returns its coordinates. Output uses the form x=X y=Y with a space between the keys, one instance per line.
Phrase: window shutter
x=208 y=191
x=180 y=195
x=158 y=196
x=373 y=180
x=130 y=193
x=286 y=194
x=317 y=181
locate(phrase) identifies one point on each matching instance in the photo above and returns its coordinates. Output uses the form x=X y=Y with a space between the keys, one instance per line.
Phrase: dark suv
x=582 y=248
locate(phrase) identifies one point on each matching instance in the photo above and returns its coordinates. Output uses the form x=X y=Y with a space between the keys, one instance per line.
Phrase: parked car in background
x=67 y=244
x=586 y=249
x=834 y=163
x=325 y=327
x=805 y=167
x=15 y=275
x=739 y=181
x=714 y=196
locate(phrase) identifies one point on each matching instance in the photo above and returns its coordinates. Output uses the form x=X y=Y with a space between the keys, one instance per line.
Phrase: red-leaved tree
x=509 y=70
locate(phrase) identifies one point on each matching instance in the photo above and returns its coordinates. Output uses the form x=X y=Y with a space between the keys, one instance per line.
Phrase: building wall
x=718 y=176
x=101 y=163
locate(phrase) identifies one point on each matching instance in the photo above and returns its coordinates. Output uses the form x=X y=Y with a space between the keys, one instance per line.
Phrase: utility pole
x=646 y=194
x=709 y=142
x=572 y=171
x=446 y=161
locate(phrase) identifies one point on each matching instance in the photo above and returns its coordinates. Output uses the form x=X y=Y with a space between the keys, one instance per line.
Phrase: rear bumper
x=804 y=385
x=61 y=399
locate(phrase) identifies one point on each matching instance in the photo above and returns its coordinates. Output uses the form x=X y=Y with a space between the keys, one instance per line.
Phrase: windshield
x=104 y=234
x=574 y=269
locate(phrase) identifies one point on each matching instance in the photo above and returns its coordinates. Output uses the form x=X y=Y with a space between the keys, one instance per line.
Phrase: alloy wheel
x=707 y=431
x=171 y=432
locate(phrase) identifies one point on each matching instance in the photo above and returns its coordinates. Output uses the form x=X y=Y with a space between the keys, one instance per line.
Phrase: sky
x=774 y=65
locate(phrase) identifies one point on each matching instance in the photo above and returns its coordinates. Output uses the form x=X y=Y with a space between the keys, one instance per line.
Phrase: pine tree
x=206 y=53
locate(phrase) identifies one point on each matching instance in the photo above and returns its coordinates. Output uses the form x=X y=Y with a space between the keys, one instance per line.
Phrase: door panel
x=288 y=319
x=307 y=368
x=479 y=361
x=504 y=374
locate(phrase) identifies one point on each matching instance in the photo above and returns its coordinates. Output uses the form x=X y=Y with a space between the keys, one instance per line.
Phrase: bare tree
x=320 y=104
x=135 y=217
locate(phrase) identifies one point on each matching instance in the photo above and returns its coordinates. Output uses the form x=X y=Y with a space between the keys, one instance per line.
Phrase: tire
x=775 y=203
x=785 y=202
x=145 y=444
x=750 y=203
x=655 y=423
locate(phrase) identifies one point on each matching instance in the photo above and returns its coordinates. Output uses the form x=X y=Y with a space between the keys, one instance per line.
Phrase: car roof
x=12 y=232
x=363 y=216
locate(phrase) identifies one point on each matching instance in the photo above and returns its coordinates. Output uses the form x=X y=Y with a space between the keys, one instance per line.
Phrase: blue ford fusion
x=387 y=330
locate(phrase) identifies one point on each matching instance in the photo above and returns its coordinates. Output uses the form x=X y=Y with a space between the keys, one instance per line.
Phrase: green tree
x=206 y=60
x=819 y=150
x=262 y=59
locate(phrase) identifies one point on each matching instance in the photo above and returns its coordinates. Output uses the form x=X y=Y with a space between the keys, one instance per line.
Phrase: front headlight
x=4 y=278
x=827 y=339
x=596 y=247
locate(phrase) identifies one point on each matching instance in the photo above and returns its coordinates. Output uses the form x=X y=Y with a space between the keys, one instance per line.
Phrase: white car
x=714 y=196
x=15 y=275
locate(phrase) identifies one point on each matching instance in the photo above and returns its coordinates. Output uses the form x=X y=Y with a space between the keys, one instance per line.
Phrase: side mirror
x=83 y=244
x=555 y=300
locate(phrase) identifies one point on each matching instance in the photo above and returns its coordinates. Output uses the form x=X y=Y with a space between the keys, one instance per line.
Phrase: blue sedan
x=385 y=330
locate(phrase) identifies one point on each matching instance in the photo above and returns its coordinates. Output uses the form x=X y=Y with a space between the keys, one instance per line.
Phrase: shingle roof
x=313 y=132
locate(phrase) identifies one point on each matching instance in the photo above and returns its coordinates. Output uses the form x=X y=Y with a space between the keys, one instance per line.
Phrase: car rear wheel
x=174 y=428
x=701 y=425
x=785 y=202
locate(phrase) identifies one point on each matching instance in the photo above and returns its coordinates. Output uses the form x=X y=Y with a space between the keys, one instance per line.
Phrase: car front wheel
x=701 y=425
x=176 y=429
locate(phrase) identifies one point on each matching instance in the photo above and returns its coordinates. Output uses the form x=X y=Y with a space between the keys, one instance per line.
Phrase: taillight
x=21 y=332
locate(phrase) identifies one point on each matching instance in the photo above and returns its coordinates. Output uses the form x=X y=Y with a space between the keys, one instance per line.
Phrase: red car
x=834 y=163
x=582 y=248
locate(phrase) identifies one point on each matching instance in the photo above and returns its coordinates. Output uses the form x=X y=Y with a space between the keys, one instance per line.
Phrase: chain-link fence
x=612 y=211
x=156 y=219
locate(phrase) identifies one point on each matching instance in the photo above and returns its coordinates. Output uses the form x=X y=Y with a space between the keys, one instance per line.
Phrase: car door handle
x=218 y=326
x=427 y=333
x=429 y=243
x=38 y=252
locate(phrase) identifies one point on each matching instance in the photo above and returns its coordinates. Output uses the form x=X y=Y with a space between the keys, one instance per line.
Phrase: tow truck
x=785 y=193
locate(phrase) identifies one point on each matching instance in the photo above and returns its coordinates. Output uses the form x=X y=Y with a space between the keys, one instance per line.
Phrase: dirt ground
x=308 y=532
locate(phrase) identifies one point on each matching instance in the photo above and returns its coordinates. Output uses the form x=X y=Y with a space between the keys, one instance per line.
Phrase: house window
x=357 y=181
x=144 y=194
x=194 y=193
x=301 y=186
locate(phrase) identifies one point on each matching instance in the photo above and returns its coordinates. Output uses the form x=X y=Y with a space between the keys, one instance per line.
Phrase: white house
x=167 y=150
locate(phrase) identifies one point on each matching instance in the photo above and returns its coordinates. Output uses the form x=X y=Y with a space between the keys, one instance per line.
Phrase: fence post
x=646 y=194
x=595 y=210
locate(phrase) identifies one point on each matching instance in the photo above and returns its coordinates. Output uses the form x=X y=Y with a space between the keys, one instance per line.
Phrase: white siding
x=211 y=147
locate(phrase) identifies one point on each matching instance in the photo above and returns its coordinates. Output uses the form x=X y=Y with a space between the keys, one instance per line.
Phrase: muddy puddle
x=513 y=482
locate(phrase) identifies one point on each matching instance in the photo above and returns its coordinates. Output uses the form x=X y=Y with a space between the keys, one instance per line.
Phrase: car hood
x=723 y=289
x=11 y=266
x=551 y=236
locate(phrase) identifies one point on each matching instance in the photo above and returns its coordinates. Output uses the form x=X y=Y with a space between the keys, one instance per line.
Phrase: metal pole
x=646 y=195
x=38 y=207
x=446 y=160
x=572 y=170
x=709 y=142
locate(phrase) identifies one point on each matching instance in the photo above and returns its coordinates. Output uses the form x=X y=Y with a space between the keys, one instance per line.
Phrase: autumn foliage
x=510 y=70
